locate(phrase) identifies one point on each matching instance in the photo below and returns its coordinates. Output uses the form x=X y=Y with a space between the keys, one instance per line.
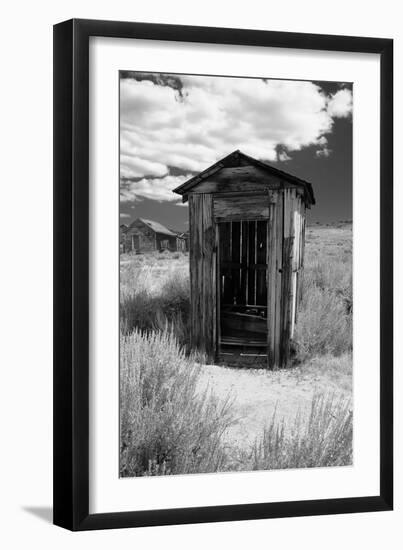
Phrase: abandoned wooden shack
x=149 y=236
x=247 y=233
x=122 y=236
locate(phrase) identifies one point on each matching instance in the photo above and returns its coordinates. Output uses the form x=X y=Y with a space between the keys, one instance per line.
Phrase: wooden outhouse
x=246 y=242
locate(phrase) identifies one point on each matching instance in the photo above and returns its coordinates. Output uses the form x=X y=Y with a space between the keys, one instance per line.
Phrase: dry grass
x=154 y=293
x=324 y=324
x=323 y=439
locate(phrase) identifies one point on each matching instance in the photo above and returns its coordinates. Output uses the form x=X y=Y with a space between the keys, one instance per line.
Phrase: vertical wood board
x=202 y=274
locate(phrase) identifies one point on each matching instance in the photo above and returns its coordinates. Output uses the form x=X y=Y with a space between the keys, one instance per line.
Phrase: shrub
x=167 y=427
x=324 y=439
x=150 y=302
x=324 y=326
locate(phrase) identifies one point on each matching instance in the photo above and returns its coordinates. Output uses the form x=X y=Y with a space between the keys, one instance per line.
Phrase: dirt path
x=257 y=393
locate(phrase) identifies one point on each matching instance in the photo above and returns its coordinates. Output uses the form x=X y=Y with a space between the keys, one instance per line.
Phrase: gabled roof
x=156 y=227
x=230 y=160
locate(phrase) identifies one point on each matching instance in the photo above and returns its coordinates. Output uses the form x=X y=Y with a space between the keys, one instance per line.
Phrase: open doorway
x=243 y=259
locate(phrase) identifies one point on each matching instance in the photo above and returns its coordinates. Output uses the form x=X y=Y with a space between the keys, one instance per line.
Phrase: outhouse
x=246 y=245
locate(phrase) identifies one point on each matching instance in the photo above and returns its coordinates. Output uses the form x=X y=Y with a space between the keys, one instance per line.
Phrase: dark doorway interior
x=243 y=254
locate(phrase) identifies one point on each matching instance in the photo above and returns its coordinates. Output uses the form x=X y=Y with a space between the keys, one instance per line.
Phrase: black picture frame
x=71 y=274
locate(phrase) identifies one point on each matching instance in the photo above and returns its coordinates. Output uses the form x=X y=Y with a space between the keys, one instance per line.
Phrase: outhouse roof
x=233 y=160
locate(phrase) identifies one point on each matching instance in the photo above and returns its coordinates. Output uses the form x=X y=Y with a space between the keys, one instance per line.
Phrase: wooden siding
x=237 y=207
x=274 y=283
x=165 y=242
x=144 y=237
x=180 y=244
x=203 y=262
x=238 y=178
x=292 y=264
x=279 y=278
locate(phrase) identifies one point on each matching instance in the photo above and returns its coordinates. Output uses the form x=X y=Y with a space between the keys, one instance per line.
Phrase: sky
x=174 y=126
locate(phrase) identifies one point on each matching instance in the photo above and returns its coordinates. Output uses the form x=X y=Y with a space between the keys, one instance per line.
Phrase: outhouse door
x=243 y=281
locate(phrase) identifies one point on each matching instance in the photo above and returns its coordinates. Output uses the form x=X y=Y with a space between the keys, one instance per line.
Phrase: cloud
x=159 y=189
x=283 y=156
x=123 y=215
x=324 y=152
x=191 y=126
x=340 y=104
x=132 y=166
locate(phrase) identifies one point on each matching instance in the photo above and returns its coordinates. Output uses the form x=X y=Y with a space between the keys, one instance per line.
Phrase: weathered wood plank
x=240 y=178
x=217 y=283
x=236 y=258
x=294 y=298
x=202 y=280
x=290 y=312
x=247 y=325
x=193 y=270
x=251 y=296
x=295 y=261
x=271 y=195
x=244 y=258
x=239 y=208
x=285 y=300
x=279 y=276
x=271 y=284
x=225 y=259
x=208 y=269
x=261 y=258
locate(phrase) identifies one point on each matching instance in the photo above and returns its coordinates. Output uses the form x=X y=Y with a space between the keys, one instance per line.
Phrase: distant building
x=185 y=237
x=122 y=231
x=149 y=236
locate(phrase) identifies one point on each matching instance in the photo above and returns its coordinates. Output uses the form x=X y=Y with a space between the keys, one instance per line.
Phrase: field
x=180 y=415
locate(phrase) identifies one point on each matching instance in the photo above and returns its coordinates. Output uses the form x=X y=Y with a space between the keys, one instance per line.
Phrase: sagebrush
x=166 y=426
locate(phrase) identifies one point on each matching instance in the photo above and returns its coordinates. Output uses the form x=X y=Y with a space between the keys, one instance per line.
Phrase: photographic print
x=236 y=303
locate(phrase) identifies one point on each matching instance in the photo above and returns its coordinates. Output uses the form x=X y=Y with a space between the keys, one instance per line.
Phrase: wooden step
x=234 y=341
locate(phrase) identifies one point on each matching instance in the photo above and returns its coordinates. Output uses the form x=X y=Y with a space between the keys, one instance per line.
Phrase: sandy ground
x=257 y=393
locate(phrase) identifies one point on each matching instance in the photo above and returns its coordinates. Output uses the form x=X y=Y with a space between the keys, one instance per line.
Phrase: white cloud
x=283 y=156
x=159 y=189
x=132 y=166
x=162 y=128
x=340 y=104
x=324 y=152
x=123 y=215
